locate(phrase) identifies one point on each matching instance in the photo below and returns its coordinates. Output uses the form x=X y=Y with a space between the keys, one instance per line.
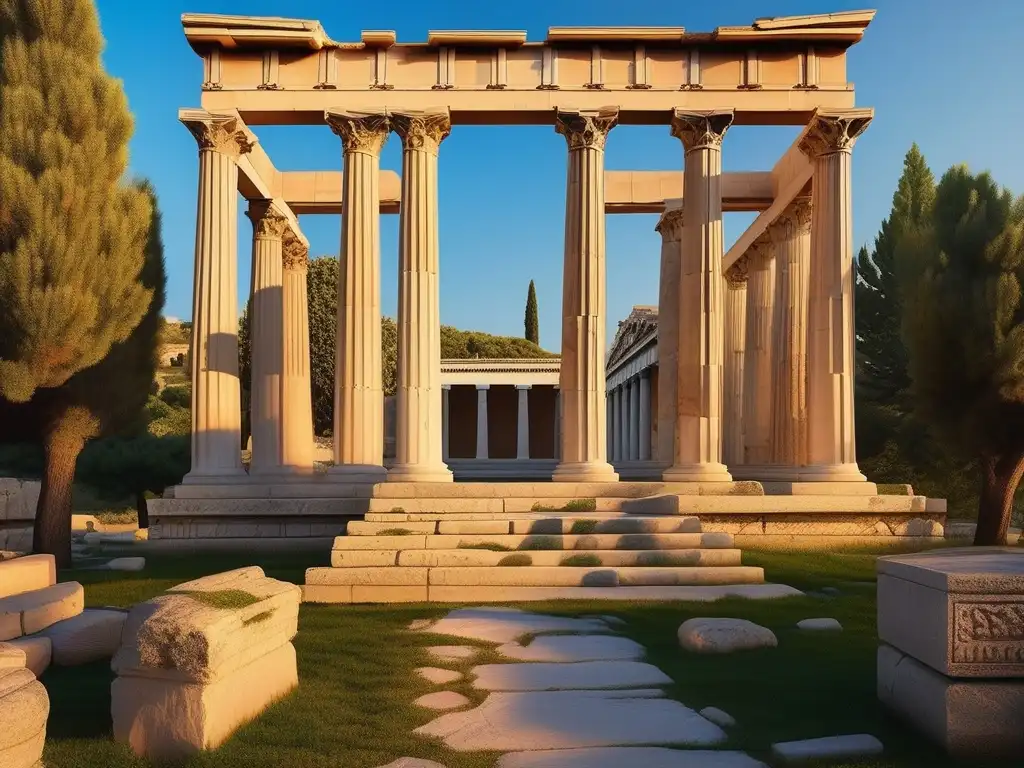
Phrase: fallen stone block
x=126 y=564
x=25 y=574
x=33 y=653
x=92 y=635
x=723 y=635
x=828 y=748
x=24 y=707
x=623 y=757
x=34 y=611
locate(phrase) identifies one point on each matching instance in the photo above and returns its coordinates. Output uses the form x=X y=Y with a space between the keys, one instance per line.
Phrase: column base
x=831 y=473
x=281 y=474
x=780 y=472
x=358 y=473
x=218 y=477
x=697 y=473
x=419 y=473
x=585 y=472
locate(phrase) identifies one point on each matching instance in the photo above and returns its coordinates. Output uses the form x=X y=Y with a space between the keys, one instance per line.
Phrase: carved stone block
x=959 y=611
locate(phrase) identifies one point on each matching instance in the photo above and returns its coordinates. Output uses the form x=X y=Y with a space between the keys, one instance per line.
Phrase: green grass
x=353 y=705
x=573 y=505
x=582 y=561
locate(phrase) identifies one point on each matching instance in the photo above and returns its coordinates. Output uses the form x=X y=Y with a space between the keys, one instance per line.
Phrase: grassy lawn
x=353 y=706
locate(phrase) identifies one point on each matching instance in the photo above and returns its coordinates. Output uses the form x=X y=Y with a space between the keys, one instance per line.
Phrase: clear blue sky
x=942 y=73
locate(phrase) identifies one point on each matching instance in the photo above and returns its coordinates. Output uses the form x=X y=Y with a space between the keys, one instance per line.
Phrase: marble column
x=358 y=390
x=296 y=385
x=670 y=225
x=634 y=418
x=698 y=443
x=791 y=235
x=558 y=423
x=216 y=394
x=523 y=422
x=445 y=421
x=418 y=404
x=757 y=364
x=481 y=421
x=735 y=343
x=266 y=324
x=616 y=424
x=644 y=427
x=610 y=421
x=831 y=454
x=624 y=443
x=582 y=375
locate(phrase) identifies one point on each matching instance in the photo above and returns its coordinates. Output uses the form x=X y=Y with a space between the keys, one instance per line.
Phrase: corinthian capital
x=295 y=253
x=698 y=130
x=221 y=133
x=736 y=275
x=586 y=129
x=670 y=225
x=760 y=253
x=364 y=132
x=267 y=220
x=834 y=131
x=422 y=130
x=792 y=222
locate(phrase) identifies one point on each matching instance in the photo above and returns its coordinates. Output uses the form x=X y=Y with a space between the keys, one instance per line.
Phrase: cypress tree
x=532 y=323
x=963 y=324
x=71 y=233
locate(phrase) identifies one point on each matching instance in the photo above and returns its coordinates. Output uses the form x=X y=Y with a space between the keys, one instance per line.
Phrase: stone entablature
x=532 y=372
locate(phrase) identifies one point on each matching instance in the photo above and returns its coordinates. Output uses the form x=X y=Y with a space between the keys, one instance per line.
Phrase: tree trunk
x=142 y=508
x=63 y=440
x=1000 y=476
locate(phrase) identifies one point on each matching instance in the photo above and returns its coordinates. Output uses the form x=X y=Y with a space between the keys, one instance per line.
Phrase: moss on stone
x=895 y=489
x=491 y=546
x=746 y=488
x=397 y=511
x=541 y=543
x=224 y=599
x=583 y=527
x=395 y=532
x=573 y=505
x=582 y=561
x=258 y=618
x=515 y=560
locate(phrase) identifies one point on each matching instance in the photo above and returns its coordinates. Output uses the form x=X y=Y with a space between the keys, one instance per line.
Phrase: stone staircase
x=453 y=557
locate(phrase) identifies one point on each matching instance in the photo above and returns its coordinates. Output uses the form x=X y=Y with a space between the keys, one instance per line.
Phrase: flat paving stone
x=452 y=652
x=572 y=719
x=718 y=717
x=442 y=700
x=502 y=625
x=412 y=762
x=614 y=621
x=560 y=677
x=438 y=676
x=618 y=757
x=820 y=625
x=572 y=648
x=828 y=748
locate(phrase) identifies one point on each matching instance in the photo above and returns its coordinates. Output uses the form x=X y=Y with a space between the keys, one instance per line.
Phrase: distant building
x=631 y=384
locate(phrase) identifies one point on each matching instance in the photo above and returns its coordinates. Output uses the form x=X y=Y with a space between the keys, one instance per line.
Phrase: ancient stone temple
x=754 y=345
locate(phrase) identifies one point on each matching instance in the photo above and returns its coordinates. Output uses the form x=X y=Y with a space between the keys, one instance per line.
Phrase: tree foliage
x=71 y=232
x=532 y=321
x=963 y=325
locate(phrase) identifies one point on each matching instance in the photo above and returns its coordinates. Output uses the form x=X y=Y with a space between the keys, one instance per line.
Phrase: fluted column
x=266 y=321
x=445 y=419
x=216 y=394
x=698 y=449
x=582 y=376
x=481 y=421
x=831 y=445
x=757 y=365
x=791 y=235
x=358 y=390
x=296 y=386
x=670 y=225
x=418 y=411
x=615 y=426
x=523 y=422
x=634 y=418
x=644 y=422
x=624 y=400
x=735 y=343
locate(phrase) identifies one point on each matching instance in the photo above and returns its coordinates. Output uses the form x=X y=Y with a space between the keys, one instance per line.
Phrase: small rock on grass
x=412 y=762
x=442 y=700
x=827 y=625
x=718 y=717
x=452 y=652
x=126 y=564
x=828 y=748
x=724 y=635
x=833 y=591
x=438 y=676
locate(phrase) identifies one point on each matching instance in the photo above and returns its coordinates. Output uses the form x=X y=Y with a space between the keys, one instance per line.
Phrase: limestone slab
x=475 y=527
x=960 y=611
x=380 y=542
x=718 y=717
x=363 y=528
x=30 y=612
x=563 y=541
x=25 y=574
x=724 y=635
x=571 y=719
x=438 y=676
x=442 y=700
x=573 y=648
x=457 y=558
x=622 y=524
x=541 y=676
x=969 y=718
x=628 y=757
x=92 y=635
x=24 y=707
x=359 y=558
x=126 y=564
x=820 y=625
x=828 y=748
x=34 y=653
x=453 y=652
x=502 y=625
x=378 y=577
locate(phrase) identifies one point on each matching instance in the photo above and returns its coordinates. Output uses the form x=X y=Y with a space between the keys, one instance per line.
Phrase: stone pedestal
x=951 y=659
x=830 y=347
x=418 y=412
x=670 y=225
x=358 y=391
x=581 y=379
x=296 y=386
x=698 y=443
x=216 y=401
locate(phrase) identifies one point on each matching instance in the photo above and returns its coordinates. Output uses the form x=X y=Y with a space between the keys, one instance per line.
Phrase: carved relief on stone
x=670 y=225
x=226 y=135
x=295 y=254
x=701 y=129
x=736 y=275
x=422 y=130
x=586 y=129
x=364 y=132
x=988 y=633
x=834 y=132
x=792 y=222
x=266 y=220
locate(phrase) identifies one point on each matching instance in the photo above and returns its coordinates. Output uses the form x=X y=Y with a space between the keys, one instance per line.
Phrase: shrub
x=177 y=396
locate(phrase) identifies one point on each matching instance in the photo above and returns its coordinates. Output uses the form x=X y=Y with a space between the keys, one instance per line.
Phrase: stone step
x=24 y=574
x=529 y=542
x=34 y=611
x=433 y=558
x=535 y=525
x=534 y=576
x=314 y=593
